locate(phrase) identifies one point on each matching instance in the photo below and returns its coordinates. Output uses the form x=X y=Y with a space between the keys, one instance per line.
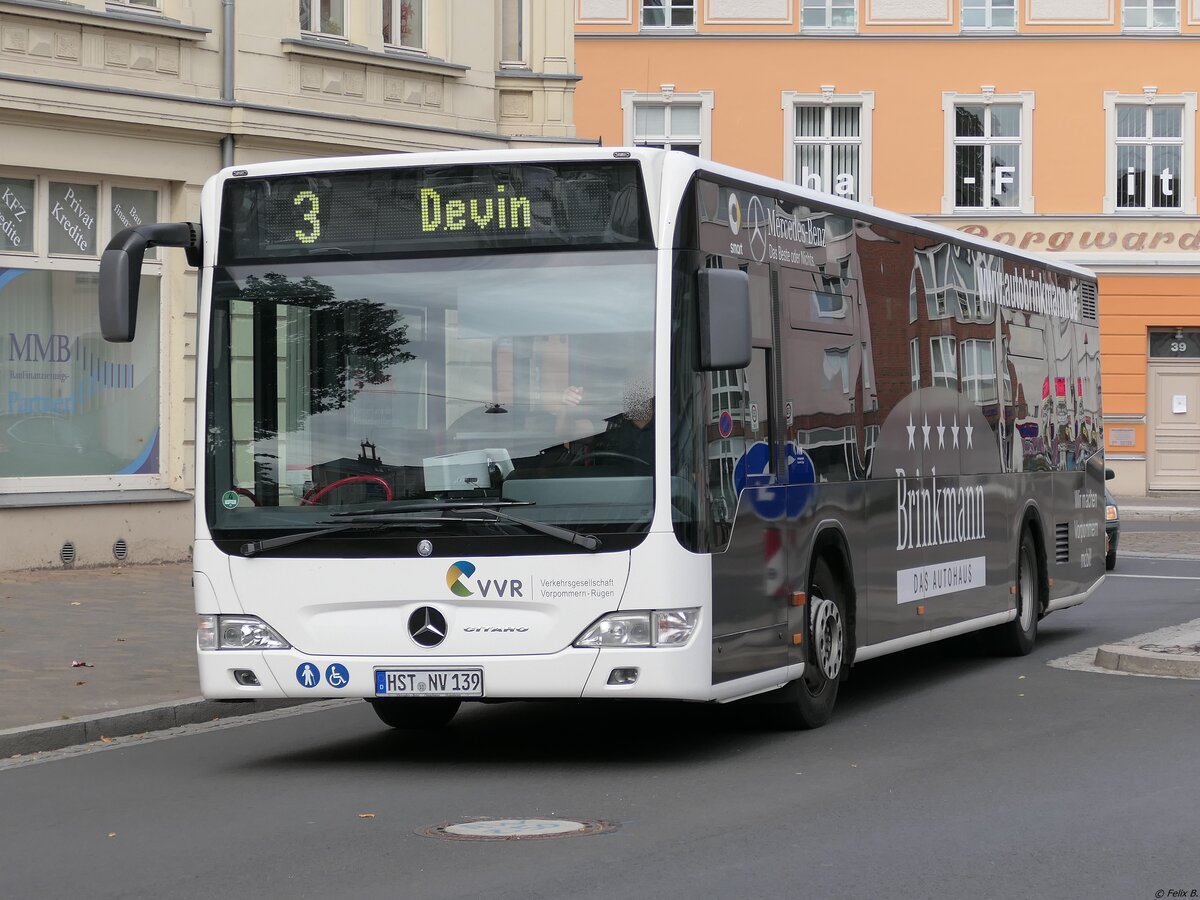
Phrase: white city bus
x=601 y=423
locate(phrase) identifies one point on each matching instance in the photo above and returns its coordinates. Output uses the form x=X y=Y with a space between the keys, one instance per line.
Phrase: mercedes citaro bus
x=605 y=423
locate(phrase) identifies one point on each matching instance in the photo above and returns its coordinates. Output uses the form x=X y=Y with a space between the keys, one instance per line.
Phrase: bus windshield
x=341 y=385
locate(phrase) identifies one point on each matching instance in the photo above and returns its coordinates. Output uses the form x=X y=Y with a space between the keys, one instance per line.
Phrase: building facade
x=1066 y=127
x=113 y=113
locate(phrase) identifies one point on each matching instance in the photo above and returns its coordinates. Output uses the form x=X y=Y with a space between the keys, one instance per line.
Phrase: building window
x=943 y=362
x=949 y=281
x=1149 y=156
x=324 y=17
x=979 y=371
x=990 y=141
x=987 y=156
x=404 y=24
x=1151 y=152
x=137 y=4
x=674 y=127
x=512 y=33
x=836 y=368
x=727 y=392
x=993 y=15
x=825 y=14
x=827 y=142
x=669 y=121
x=914 y=364
x=668 y=13
x=1151 y=15
x=828 y=146
x=77 y=413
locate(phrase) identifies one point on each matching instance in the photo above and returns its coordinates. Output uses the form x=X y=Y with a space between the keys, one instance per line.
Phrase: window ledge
x=1148 y=212
x=995 y=212
x=91 y=498
x=59 y=11
x=529 y=74
x=356 y=53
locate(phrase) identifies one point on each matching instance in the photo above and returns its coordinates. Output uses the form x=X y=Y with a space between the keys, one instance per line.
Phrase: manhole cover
x=513 y=829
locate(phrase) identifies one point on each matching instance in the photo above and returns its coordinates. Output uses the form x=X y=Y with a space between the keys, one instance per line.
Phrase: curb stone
x=123 y=722
x=1148 y=662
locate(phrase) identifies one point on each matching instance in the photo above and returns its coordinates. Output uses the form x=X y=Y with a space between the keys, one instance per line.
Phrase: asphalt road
x=945 y=773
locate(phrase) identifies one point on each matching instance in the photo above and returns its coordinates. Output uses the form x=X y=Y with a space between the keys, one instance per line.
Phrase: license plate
x=429 y=682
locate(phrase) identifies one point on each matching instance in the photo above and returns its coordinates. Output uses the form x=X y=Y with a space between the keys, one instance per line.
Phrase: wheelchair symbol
x=337 y=675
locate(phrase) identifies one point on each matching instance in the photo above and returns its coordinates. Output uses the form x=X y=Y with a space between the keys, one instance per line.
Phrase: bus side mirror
x=724 y=296
x=121 y=271
x=1109 y=474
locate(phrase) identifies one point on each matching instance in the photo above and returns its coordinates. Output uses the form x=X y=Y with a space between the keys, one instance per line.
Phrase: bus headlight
x=642 y=628
x=237 y=633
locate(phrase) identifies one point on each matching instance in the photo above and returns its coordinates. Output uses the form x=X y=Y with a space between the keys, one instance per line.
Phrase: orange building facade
x=1066 y=127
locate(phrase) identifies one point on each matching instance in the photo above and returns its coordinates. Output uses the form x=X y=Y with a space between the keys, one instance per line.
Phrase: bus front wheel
x=808 y=701
x=415 y=714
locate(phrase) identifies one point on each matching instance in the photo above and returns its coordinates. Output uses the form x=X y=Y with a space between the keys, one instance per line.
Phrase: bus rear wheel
x=415 y=714
x=1016 y=638
x=808 y=701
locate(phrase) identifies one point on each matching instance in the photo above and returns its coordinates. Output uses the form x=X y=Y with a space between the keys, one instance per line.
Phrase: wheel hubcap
x=827 y=636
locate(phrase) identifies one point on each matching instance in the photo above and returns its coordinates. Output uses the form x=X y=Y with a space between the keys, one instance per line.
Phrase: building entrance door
x=1173 y=426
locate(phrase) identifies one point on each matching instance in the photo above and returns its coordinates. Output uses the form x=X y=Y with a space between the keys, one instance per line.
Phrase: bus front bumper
x=679 y=673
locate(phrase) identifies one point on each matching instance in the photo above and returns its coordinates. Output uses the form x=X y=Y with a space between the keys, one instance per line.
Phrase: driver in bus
x=631 y=432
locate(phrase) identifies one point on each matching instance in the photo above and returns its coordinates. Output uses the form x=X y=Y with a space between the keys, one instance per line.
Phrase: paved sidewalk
x=1171 y=506
x=1164 y=541
x=92 y=653
x=87 y=654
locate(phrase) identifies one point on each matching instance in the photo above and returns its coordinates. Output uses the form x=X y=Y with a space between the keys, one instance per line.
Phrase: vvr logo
x=461 y=570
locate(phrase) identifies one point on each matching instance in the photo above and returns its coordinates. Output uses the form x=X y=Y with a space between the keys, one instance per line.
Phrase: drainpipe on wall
x=227 y=51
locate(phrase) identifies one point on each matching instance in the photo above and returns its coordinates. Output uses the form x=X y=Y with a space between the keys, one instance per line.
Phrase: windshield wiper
x=397 y=511
x=586 y=541
x=254 y=548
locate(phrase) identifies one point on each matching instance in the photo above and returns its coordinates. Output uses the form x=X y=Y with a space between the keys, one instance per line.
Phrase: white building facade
x=114 y=114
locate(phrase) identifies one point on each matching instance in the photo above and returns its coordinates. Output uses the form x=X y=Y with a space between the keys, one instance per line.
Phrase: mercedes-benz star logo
x=427 y=626
x=756 y=219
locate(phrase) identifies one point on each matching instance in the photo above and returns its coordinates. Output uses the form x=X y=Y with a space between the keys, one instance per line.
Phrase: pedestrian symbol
x=337 y=675
x=308 y=675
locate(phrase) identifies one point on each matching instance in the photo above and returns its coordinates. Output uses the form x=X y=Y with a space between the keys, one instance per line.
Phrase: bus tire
x=415 y=714
x=1016 y=638
x=808 y=701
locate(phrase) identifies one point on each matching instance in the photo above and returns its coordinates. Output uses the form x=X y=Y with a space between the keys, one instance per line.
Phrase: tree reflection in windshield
x=367 y=336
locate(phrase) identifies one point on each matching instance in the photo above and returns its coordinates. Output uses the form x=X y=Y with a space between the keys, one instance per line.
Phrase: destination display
x=385 y=212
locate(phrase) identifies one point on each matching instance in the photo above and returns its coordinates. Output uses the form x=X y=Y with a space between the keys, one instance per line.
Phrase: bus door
x=750 y=577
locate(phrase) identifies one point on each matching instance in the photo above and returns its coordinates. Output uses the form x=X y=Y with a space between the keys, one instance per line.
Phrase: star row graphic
x=941 y=430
